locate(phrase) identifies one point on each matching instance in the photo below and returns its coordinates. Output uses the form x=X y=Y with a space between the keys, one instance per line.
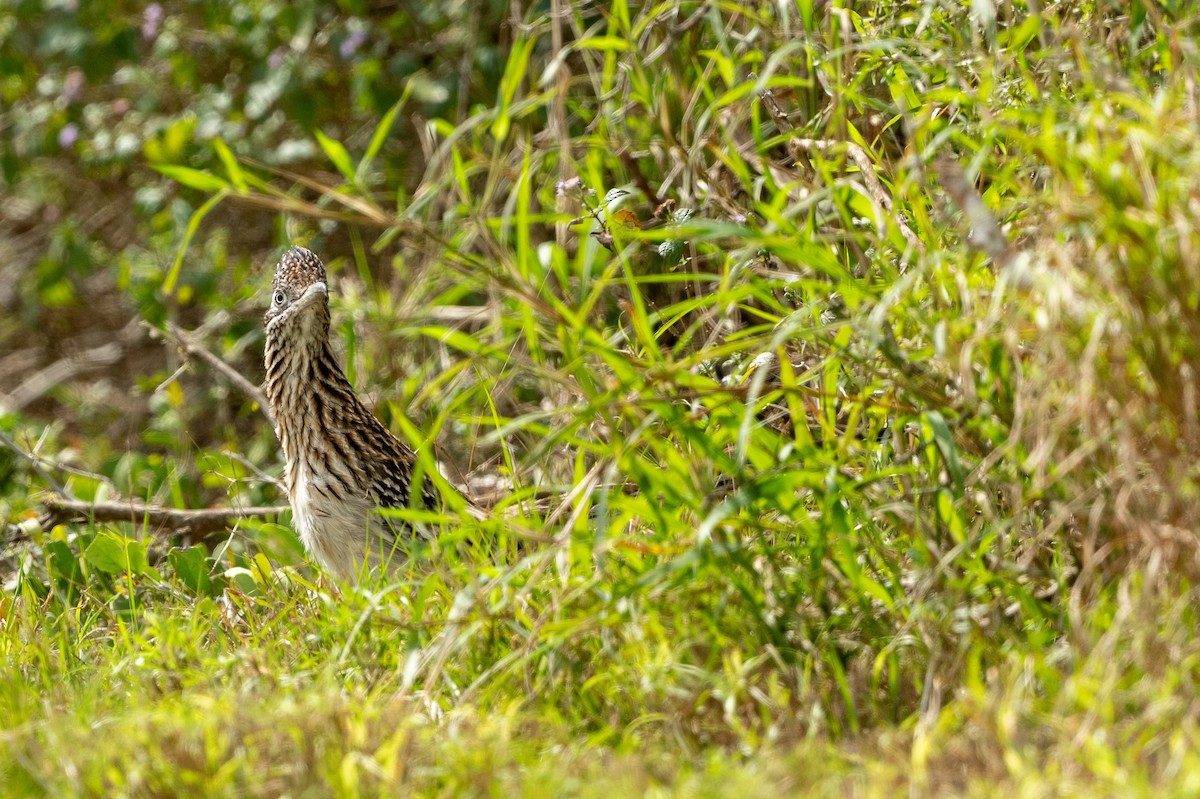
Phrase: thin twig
x=175 y=520
x=460 y=315
x=368 y=211
x=259 y=473
x=873 y=184
x=310 y=210
x=776 y=110
x=35 y=463
x=985 y=233
x=190 y=346
x=65 y=369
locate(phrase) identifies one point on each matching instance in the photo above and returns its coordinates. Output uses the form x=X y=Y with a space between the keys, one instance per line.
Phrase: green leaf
x=117 y=555
x=106 y=554
x=136 y=561
x=807 y=8
x=949 y=516
x=243 y=579
x=383 y=129
x=192 y=178
x=337 y=154
x=944 y=440
x=191 y=567
x=604 y=43
x=454 y=338
x=169 y=145
x=671 y=251
x=64 y=568
x=193 y=225
x=231 y=165
x=514 y=72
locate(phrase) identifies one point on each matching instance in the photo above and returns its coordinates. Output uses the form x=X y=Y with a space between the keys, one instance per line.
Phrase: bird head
x=299 y=295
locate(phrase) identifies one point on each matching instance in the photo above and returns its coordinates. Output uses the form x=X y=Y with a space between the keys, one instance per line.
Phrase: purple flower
x=275 y=60
x=73 y=84
x=350 y=45
x=563 y=186
x=152 y=19
x=68 y=135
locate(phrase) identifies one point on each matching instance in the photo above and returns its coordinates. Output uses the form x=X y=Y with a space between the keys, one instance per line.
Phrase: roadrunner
x=342 y=463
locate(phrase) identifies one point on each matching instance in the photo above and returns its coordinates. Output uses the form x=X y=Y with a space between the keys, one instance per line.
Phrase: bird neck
x=296 y=368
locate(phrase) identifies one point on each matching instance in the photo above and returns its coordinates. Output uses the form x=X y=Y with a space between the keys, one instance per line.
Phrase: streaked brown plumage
x=342 y=463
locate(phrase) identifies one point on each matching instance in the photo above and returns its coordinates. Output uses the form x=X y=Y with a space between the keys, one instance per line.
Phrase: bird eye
x=280 y=298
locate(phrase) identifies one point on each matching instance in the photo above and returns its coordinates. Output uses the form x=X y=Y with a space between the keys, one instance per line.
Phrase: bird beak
x=313 y=293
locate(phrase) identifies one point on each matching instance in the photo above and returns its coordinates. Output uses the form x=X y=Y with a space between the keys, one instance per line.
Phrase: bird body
x=342 y=462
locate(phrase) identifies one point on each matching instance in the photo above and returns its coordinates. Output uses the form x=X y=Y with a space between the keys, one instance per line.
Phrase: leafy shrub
x=830 y=371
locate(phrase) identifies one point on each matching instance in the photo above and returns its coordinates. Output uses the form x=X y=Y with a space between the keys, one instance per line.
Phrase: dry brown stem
x=872 y=183
x=66 y=369
x=985 y=233
x=197 y=521
x=188 y=344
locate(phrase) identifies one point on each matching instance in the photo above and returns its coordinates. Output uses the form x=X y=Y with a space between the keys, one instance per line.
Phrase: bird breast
x=334 y=526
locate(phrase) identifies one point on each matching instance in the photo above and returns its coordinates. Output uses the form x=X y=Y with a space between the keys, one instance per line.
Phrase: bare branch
x=873 y=184
x=34 y=462
x=985 y=233
x=259 y=473
x=191 y=347
x=363 y=210
x=462 y=315
x=65 y=369
x=768 y=99
x=171 y=520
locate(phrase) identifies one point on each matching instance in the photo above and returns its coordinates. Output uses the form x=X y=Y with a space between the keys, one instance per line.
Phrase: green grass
x=850 y=454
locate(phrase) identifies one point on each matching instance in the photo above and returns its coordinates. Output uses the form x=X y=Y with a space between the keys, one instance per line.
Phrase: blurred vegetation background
x=830 y=366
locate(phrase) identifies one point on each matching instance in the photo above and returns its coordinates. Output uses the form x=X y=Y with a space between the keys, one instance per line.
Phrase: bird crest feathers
x=298 y=269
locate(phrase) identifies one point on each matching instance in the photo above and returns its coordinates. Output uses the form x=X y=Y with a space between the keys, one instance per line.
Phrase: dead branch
x=65 y=369
x=40 y=464
x=34 y=462
x=460 y=315
x=361 y=211
x=196 y=521
x=874 y=186
x=257 y=472
x=60 y=372
x=985 y=233
x=186 y=342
